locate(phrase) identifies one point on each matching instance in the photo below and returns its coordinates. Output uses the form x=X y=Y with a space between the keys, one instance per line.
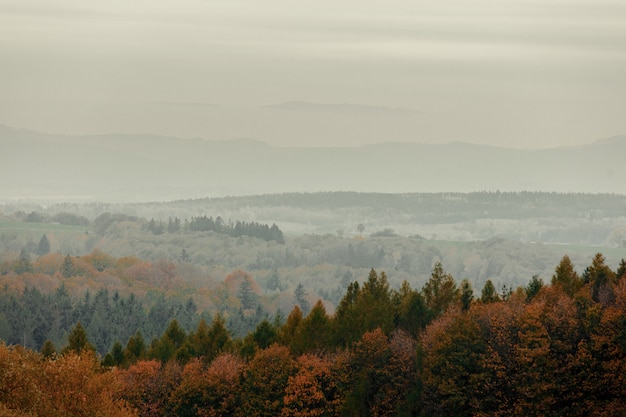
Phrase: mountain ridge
x=118 y=167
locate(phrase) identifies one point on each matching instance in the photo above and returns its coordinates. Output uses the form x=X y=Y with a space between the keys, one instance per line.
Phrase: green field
x=28 y=227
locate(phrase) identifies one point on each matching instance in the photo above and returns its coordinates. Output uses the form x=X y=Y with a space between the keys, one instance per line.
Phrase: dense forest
x=164 y=310
x=545 y=349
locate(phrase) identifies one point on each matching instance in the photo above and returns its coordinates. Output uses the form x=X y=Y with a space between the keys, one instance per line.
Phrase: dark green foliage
x=566 y=277
x=364 y=309
x=77 y=341
x=245 y=294
x=621 y=269
x=48 y=350
x=237 y=229
x=440 y=291
x=43 y=248
x=300 y=294
x=534 y=286
x=599 y=275
x=489 y=294
x=413 y=315
x=467 y=295
x=135 y=348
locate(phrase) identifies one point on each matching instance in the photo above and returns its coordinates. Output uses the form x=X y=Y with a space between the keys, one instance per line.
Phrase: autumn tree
x=314 y=390
x=208 y=392
x=264 y=382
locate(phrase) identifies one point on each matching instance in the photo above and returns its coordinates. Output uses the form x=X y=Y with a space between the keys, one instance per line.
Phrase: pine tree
x=67 y=268
x=440 y=291
x=489 y=294
x=77 y=341
x=43 y=248
x=300 y=293
x=566 y=277
x=467 y=295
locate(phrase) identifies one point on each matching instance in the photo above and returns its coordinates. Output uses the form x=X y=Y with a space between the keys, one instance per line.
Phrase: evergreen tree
x=43 y=248
x=489 y=294
x=467 y=295
x=23 y=265
x=440 y=291
x=566 y=277
x=135 y=348
x=77 y=341
x=600 y=276
x=67 y=268
x=621 y=269
x=246 y=295
x=48 y=350
x=534 y=286
x=300 y=293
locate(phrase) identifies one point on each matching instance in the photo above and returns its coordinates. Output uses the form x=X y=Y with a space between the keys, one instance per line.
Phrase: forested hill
x=144 y=167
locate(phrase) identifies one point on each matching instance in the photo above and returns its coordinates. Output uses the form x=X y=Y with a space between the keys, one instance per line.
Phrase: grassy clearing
x=27 y=227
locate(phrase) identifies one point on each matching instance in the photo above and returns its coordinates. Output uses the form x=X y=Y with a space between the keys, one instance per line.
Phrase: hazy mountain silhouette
x=121 y=167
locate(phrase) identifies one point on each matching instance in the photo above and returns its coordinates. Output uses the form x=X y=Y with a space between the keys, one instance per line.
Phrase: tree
x=67 y=268
x=314 y=333
x=467 y=295
x=412 y=313
x=600 y=277
x=314 y=390
x=489 y=294
x=440 y=291
x=621 y=270
x=77 y=341
x=534 y=286
x=135 y=348
x=452 y=366
x=566 y=277
x=43 y=248
x=246 y=295
x=48 y=350
x=300 y=294
x=264 y=382
x=23 y=265
x=364 y=309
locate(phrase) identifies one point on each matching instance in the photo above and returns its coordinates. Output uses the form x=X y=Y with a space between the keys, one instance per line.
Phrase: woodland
x=546 y=349
x=205 y=315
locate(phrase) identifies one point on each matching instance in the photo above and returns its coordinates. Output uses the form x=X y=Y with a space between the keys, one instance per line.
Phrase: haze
x=525 y=74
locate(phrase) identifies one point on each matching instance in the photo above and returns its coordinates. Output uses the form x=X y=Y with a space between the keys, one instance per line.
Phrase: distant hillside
x=146 y=168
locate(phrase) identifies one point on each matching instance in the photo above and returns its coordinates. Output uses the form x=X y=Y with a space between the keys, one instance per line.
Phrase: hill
x=116 y=167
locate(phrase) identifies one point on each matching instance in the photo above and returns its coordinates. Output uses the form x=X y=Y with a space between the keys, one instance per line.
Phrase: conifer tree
x=440 y=291
x=77 y=341
x=43 y=248
x=566 y=277
x=489 y=294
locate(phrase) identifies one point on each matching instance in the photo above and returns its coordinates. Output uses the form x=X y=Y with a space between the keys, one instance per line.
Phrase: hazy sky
x=522 y=73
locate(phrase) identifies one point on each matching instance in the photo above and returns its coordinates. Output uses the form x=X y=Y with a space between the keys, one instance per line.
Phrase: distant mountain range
x=119 y=167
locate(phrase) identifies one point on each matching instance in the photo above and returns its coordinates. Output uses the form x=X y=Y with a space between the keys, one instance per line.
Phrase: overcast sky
x=519 y=73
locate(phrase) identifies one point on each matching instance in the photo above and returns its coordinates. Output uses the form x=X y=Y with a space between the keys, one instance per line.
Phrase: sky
x=511 y=73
